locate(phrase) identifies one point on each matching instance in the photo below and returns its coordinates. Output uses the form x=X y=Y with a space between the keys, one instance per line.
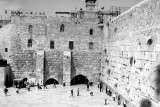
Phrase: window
x=51 y=44
x=29 y=42
x=91 y=31
x=6 y=49
x=0 y=26
x=62 y=28
x=90 y=45
x=30 y=29
x=70 y=44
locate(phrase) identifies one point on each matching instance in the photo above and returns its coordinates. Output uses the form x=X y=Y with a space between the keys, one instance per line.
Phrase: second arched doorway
x=51 y=81
x=79 y=79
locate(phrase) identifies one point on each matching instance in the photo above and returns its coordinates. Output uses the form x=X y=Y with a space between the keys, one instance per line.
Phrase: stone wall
x=46 y=30
x=131 y=53
x=6 y=76
x=5 y=42
x=54 y=65
x=2 y=76
x=24 y=64
x=87 y=64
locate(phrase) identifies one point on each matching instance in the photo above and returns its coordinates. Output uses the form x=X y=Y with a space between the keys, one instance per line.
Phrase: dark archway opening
x=79 y=79
x=51 y=81
x=3 y=62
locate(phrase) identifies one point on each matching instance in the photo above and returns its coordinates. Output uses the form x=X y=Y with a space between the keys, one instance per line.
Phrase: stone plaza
x=57 y=97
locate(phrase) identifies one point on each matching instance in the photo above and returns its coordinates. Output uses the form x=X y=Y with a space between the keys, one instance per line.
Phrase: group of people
x=72 y=92
x=112 y=94
x=88 y=85
x=28 y=87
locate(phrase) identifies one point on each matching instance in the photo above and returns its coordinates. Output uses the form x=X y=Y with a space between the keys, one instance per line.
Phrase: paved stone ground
x=56 y=97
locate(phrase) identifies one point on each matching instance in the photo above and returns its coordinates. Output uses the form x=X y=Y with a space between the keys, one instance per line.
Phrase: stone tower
x=90 y=5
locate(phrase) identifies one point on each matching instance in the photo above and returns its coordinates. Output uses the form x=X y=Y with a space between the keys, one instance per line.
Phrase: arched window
x=91 y=31
x=62 y=28
x=30 y=28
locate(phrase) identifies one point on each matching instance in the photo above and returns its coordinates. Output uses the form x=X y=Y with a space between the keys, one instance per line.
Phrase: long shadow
x=46 y=67
x=73 y=68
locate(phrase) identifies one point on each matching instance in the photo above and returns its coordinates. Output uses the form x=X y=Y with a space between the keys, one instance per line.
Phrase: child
x=5 y=91
x=17 y=91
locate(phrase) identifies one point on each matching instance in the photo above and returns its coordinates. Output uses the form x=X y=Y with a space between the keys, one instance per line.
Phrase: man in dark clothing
x=44 y=85
x=119 y=100
x=64 y=83
x=54 y=84
x=106 y=89
x=78 y=92
x=39 y=87
x=101 y=86
x=71 y=93
x=87 y=87
x=16 y=83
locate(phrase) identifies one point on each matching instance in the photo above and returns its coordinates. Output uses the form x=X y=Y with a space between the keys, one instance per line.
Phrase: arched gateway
x=79 y=79
x=51 y=80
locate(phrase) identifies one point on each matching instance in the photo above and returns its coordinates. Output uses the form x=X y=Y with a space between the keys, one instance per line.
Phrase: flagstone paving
x=56 y=97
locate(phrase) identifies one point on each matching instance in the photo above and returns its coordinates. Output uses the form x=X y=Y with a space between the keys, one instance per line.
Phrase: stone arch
x=79 y=79
x=51 y=80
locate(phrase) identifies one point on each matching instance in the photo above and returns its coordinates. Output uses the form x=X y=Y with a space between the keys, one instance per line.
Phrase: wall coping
x=131 y=9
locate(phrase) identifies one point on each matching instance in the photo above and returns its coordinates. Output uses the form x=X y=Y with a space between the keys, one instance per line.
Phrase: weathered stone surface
x=132 y=50
x=28 y=62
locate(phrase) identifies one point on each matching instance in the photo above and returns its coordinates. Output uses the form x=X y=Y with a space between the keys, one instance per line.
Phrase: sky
x=52 y=6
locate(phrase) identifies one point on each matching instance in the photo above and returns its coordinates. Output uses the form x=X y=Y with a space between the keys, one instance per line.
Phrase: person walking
x=88 y=87
x=71 y=93
x=78 y=92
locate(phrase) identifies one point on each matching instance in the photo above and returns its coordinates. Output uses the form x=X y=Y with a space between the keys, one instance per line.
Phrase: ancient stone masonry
x=54 y=65
x=87 y=63
x=131 y=53
x=5 y=42
x=38 y=46
x=24 y=64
